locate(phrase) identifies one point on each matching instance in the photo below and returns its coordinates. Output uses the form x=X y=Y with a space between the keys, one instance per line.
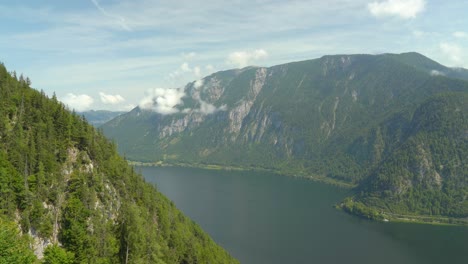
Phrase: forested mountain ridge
x=341 y=117
x=63 y=183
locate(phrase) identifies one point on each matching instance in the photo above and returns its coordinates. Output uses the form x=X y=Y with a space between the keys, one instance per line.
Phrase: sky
x=114 y=54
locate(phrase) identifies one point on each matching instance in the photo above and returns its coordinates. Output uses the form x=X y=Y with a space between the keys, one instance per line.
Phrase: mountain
x=340 y=118
x=68 y=195
x=428 y=173
x=432 y=67
x=99 y=117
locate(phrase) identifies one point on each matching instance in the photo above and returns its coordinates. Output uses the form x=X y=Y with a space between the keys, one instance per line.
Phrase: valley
x=384 y=124
x=225 y=132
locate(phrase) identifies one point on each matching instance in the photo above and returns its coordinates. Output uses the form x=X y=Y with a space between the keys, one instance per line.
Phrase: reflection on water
x=266 y=218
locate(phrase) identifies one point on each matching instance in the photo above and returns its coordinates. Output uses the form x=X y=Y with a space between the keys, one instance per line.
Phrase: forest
x=63 y=185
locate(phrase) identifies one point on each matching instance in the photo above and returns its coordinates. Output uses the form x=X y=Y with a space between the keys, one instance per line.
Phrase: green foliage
x=359 y=209
x=57 y=255
x=14 y=248
x=67 y=183
x=428 y=174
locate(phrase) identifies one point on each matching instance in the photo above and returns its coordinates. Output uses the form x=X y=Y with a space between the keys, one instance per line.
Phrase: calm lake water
x=267 y=218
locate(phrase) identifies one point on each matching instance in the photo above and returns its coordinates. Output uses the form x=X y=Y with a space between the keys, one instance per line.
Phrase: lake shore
x=370 y=213
x=383 y=216
x=317 y=178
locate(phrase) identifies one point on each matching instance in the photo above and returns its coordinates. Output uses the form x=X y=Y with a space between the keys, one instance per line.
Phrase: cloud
x=120 y=20
x=185 y=67
x=209 y=68
x=186 y=71
x=453 y=52
x=163 y=100
x=197 y=71
x=111 y=99
x=400 y=8
x=128 y=107
x=81 y=102
x=244 y=58
x=189 y=56
x=206 y=108
x=168 y=33
x=198 y=84
x=460 y=34
x=437 y=73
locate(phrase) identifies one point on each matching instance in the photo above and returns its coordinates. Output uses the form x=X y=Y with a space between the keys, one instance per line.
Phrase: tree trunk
x=126 y=255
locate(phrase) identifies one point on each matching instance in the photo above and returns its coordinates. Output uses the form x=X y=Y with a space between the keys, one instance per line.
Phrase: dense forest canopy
x=62 y=182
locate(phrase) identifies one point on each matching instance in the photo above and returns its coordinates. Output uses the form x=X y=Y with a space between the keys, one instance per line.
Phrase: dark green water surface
x=266 y=218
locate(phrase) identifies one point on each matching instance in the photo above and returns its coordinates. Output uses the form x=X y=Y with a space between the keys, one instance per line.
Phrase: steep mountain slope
x=428 y=173
x=339 y=117
x=99 y=117
x=287 y=116
x=64 y=184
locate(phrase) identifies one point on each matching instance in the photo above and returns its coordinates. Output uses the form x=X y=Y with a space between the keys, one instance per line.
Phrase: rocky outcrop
x=242 y=109
x=425 y=171
x=39 y=243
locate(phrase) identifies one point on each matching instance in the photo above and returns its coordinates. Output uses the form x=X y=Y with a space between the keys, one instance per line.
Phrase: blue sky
x=111 y=54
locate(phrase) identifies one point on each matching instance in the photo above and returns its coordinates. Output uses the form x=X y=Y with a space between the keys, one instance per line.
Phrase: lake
x=266 y=218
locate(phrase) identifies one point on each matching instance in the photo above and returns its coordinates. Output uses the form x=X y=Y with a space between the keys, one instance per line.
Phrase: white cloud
x=170 y=32
x=163 y=100
x=207 y=108
x=81 y=102
x=244 y=58
x=185 y=72
x=185 y=67
x=128 y=107
x=198 y=84
x=209 y=68
x=460 y=34
x=437 y=73
x=197 y=71
x=400 y=8
x=189 y=56
x=111 y=99
x=453 y=52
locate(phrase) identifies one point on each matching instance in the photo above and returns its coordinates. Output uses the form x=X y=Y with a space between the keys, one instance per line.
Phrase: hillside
x=339 y=117
x=64 y=185
x=428 y=173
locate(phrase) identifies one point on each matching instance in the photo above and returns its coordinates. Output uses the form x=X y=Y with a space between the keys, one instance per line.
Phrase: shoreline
x=373 y=214
x=315 y=178
x=382 y=216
